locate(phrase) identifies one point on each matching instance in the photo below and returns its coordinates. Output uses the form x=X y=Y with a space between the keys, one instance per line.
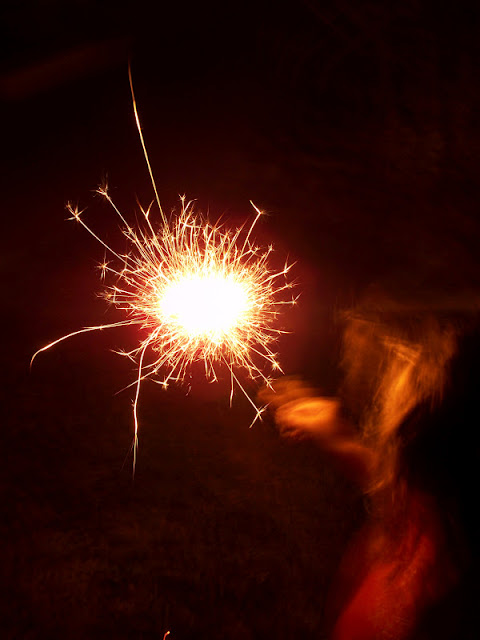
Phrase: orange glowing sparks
x=201 y=293
x=197 y=291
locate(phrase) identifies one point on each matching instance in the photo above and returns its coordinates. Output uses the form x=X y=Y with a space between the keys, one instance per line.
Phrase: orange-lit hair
x=394 y=362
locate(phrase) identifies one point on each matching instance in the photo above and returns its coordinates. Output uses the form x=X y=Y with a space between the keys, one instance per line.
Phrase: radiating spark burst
x=199 y=291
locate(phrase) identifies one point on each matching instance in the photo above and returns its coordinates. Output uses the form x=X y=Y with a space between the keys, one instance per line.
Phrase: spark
x=197 y=291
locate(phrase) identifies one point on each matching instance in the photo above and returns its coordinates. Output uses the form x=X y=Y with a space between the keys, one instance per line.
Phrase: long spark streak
x=144 y=147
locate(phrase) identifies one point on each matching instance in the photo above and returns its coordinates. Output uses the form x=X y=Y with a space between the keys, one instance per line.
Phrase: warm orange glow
x=199 y=292
x=202 y=292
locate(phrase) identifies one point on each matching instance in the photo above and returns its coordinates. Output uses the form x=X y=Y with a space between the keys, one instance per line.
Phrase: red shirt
x=386 y=582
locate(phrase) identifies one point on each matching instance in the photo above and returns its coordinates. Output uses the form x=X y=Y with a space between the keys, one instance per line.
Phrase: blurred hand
x=300 y=412
x=314 y=417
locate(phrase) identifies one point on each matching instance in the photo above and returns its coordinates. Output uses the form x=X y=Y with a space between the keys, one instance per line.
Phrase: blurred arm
x=319 y=419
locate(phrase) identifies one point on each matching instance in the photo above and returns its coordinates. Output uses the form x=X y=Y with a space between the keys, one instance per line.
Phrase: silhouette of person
x=408 y=573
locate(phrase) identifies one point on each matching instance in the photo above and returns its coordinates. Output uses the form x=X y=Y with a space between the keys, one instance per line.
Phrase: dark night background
x=355 y=126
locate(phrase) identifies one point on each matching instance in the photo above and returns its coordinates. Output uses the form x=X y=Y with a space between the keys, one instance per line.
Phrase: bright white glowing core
x=208 y=305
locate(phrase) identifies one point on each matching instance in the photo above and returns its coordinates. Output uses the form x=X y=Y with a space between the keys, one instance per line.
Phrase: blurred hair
x=389 y=371
x=411 y=383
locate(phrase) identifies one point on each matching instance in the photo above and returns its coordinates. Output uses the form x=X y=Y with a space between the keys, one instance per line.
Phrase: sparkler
x=198 y=292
